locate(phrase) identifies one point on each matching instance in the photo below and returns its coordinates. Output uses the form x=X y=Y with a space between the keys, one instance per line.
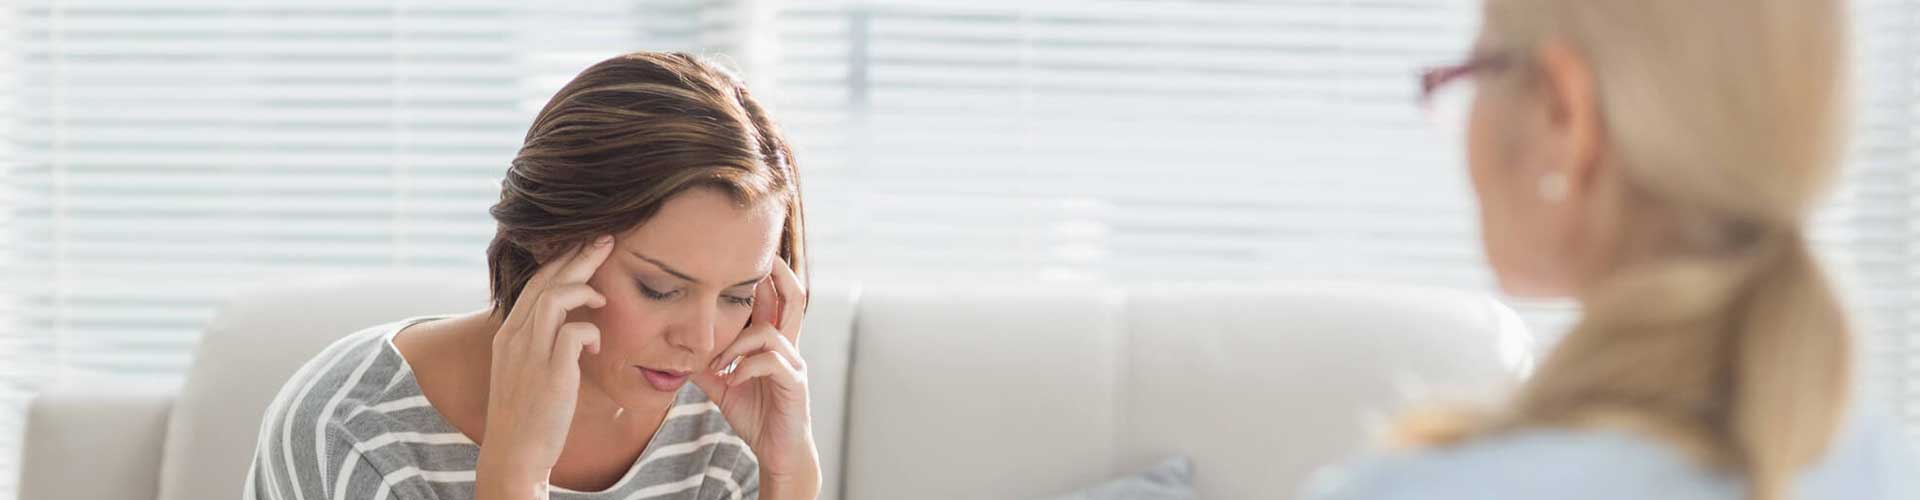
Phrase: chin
x=634 y=397
x=1527 y=286
x=1521 y=277
x=1515 y=282
x=630 y=394
x=1523 y=290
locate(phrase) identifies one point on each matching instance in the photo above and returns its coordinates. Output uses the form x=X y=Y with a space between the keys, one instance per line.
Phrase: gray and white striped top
x=352 y=423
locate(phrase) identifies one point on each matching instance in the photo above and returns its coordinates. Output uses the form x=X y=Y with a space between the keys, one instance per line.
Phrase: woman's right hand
x=535 y=379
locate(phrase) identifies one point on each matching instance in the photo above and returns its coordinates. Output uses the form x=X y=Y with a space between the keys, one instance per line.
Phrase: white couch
x=925 y=393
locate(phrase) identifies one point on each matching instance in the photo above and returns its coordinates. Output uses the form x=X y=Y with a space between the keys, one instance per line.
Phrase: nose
x=694 y=329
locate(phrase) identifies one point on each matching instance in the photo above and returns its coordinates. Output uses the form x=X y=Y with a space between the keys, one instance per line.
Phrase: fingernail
x=717 y=365
x=604 y=240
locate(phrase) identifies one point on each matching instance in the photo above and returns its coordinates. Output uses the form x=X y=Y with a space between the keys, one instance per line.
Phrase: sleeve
x=1872 y=458
x=292 y=462
x=286 y=467
x=746 y=473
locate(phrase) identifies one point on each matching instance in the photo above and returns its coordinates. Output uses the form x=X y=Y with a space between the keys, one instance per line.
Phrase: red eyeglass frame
x=1433 y=79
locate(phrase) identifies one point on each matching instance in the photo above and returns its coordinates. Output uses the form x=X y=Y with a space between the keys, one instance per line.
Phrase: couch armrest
x=95 y=440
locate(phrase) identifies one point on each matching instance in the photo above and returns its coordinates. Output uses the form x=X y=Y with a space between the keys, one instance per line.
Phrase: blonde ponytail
x=1741 y=361
x=1790 y=372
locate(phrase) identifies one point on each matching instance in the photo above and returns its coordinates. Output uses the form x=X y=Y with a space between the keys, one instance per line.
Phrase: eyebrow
x=670 y=270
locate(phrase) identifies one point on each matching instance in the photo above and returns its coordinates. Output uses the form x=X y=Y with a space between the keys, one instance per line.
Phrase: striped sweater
x=353 y=424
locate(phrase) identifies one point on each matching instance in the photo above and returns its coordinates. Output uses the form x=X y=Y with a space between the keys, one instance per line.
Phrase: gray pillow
x=1171 y=479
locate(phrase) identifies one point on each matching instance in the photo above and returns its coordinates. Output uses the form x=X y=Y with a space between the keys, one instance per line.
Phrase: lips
x=663 y=380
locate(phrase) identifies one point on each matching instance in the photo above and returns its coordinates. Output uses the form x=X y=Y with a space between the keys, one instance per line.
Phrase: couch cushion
x=69 y=457
x=984 y=393
x=1261 y=386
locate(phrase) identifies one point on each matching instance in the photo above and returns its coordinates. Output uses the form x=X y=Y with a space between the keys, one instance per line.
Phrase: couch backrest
x=972 y=393
x=999 y=393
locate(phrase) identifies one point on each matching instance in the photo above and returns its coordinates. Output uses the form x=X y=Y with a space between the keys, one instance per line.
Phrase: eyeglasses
x=1447 y=92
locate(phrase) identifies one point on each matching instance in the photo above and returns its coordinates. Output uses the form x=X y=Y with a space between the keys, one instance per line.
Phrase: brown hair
x=1716 y=330
x=617 y=142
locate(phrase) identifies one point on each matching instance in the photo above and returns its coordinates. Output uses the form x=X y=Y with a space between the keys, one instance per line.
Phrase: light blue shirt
x=1870 y=461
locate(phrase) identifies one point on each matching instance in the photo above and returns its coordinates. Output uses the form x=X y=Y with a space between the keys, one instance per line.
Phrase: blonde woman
x=1656 y=160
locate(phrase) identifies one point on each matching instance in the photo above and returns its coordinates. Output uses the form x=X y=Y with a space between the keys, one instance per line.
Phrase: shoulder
x=1871 y=458
x=359 y=365
x=347 y=378
x=1557 y=464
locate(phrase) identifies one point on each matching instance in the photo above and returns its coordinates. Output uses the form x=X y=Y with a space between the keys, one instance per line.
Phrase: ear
x=1574 y=142
x=1573 y=121
x=544 y=253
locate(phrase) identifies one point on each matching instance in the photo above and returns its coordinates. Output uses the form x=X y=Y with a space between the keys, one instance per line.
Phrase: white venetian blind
x=1132 y=141
x=171 y=150
x=1875 y=222
x=12 y=395
x=161 y=154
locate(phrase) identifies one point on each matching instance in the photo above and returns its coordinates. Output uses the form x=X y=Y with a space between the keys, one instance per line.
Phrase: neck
x=602 y=416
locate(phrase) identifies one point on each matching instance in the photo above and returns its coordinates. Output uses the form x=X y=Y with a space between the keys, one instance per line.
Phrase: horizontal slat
x=1199 y=15
x=272 y=70
x=256 y=138
x=271 y=159
x=107 y=112
x=391 y=93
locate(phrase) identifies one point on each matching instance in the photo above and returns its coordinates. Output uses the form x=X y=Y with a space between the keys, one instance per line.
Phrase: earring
x=1553 y=186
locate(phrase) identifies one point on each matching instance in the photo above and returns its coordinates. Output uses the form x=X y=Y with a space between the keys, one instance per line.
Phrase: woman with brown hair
x=1656 y=160
x=649 y=235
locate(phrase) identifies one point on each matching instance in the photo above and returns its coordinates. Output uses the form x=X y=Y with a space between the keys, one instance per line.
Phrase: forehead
x=705 y=232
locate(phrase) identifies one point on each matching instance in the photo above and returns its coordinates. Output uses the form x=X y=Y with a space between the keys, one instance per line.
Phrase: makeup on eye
x=741 y=298
x=742 y=293
x=653 y=293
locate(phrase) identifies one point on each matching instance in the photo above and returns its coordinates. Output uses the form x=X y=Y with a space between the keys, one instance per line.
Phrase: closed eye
x=738 y=301
x=656 y=294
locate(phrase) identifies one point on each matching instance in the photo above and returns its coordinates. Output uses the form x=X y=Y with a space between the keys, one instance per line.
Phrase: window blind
x=13 y=395
x=1137 y=141
x=1874 y=222
x=1130 y=141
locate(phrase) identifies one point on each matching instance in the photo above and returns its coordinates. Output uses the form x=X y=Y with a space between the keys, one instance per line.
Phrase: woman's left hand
x=764 y=397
